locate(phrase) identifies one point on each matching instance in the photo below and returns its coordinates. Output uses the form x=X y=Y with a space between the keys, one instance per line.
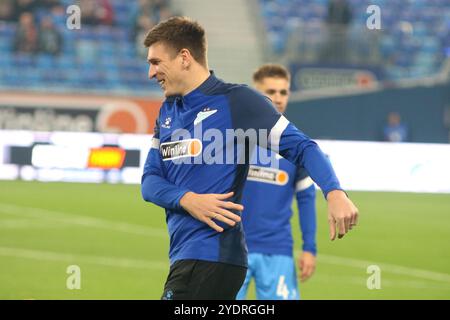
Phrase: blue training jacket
x=267 y=201
x=180 y=160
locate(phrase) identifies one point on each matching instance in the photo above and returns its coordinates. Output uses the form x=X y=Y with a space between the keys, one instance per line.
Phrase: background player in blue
x=267 y=200
x=208 y=255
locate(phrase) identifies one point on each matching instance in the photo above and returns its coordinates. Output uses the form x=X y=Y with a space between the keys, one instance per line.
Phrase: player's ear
x=185 y=58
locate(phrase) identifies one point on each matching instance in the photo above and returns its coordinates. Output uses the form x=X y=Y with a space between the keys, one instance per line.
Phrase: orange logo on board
x=106 y=158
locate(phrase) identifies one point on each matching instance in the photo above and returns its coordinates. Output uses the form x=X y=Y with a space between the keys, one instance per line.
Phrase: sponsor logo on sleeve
x=268 y=175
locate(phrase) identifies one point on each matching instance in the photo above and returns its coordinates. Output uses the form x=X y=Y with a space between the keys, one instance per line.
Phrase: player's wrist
x=309 y=250
x=336 y=194
x=186 y=199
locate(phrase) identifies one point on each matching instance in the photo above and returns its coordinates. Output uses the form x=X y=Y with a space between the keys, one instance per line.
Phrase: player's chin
x=166 y=92
x=169 y=93
x=280 y=109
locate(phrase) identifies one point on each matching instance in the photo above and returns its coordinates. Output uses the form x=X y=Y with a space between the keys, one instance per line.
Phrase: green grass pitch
x=120 y=244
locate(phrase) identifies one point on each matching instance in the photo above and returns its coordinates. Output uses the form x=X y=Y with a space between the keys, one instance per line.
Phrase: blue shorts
x=275 y=277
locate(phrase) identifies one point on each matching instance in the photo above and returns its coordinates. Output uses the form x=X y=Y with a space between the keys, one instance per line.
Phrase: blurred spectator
x=338 y=19
x=156 y=10
x=159 y=4
x=22 y=6
x=50 y=39
x=161 y=8
x=95 y=12
x=395 y=130
x=339 y=13
x=41 y=29
x=7 y=11
x=165 y=13
x=146 y=15
x=26 y=38
x=143 y=25
x=49 y=4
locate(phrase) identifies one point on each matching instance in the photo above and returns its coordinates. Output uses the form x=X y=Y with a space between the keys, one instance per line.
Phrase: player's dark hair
x=271 y=71
x=180 y=33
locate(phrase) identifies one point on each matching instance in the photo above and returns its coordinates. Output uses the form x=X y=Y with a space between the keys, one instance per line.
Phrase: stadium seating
x=94 y=58
x=414 y=39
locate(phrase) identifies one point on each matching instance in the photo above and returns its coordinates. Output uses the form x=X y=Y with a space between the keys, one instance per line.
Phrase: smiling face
x=166 y=66
x=277 y=89
x=177 y=55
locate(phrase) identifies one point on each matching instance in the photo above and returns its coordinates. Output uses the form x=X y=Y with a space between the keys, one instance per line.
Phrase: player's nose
x=151 y=72
x=277 y=100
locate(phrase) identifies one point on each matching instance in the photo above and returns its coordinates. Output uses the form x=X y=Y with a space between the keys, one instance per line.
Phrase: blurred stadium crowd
x=38 y=51
x=413 y=41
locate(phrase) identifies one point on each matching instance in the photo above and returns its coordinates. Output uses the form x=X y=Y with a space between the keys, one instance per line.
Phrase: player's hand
x=209 y=207
x=342 y=213
x=307 y=265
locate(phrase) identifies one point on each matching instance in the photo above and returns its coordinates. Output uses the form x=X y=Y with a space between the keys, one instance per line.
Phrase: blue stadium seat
x=72 y=76
x=7 y=29
x=103 y=33
x=30 y=76
x=431 y=45
x=420 y=29
x=424 y=59
x=5 y=60
x=65 y=61
x=23 y=60
x=5 y=45
x=107 y=49
x=45 y=61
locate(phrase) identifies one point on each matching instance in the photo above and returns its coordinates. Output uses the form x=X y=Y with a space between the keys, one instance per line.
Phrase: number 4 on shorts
x=282 y=289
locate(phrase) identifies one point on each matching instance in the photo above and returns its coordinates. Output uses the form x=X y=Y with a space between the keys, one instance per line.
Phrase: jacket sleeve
x=305 y=192
x=154 y=186
x=251 y=110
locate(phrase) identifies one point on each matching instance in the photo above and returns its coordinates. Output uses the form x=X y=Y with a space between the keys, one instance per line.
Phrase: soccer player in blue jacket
x=267 y=200
x=196 y=168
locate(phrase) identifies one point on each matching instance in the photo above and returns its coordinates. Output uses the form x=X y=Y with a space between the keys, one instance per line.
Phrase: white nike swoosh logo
x=202 y=115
